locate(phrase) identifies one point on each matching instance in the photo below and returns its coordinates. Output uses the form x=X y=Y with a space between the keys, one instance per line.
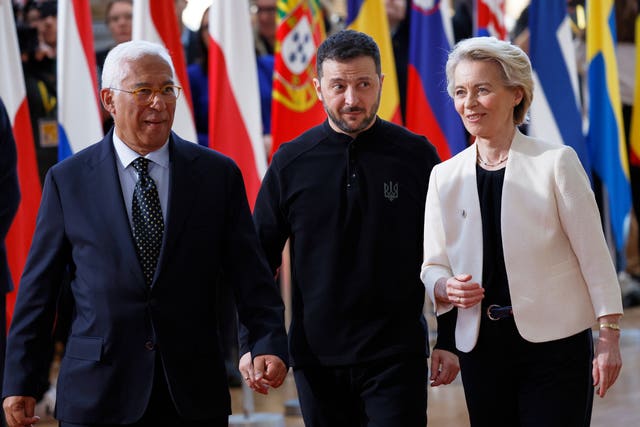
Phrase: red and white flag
x=490 y=21
x=14 y=96
x=77 y=80
x=156 y=21
x=234 y=97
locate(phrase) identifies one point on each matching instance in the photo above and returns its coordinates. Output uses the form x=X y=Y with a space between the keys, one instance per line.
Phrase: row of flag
x=234 y=109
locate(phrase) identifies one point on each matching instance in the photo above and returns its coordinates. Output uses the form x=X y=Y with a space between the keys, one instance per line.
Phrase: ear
x=106 y=96
x=316 y=85
x=518 y=96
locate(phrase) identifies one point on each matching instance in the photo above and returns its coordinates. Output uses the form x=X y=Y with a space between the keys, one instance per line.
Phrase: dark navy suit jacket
x=9 y=193
x=118 y=324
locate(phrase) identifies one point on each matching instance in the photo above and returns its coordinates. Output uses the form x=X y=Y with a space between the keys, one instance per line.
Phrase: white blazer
x=561 y=276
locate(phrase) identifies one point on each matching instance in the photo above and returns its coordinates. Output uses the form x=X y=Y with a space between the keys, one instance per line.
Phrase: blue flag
x=556 y=112
x=605 y=139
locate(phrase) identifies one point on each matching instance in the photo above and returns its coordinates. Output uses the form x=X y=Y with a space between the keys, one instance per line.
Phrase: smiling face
x=350 y=93
x=144 y=128
x=484 y=103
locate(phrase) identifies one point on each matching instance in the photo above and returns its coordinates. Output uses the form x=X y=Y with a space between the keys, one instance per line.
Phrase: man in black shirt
x=349 y=194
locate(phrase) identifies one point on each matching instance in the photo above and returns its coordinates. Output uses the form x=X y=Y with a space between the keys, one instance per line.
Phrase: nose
x=470 y=100
x=350 y=97
x=157 y=102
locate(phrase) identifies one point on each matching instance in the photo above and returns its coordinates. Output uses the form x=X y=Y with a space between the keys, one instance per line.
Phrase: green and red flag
x=295 y=106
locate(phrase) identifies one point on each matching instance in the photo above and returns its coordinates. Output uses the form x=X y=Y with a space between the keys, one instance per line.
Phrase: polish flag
x=14 y=96
x=234 y=98
x=77 y=80
x=156 y=21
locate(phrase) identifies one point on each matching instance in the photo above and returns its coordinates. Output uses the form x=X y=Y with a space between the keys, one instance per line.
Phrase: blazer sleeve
x=580 y=219
x=436 y=263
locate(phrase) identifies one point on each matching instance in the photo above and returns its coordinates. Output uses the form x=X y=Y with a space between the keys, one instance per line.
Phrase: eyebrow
x=146 y=84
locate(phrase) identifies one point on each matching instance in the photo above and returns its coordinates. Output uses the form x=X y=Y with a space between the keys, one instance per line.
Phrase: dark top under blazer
x=118 y=323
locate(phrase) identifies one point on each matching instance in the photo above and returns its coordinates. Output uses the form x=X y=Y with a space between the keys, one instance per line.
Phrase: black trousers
x=390 y=392
x=161 y=410
x=509 y=381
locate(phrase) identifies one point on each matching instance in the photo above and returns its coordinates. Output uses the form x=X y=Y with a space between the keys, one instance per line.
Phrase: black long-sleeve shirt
x=354 y=212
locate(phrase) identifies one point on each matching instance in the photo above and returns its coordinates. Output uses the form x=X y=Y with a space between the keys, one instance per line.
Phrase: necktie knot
x=141 y=165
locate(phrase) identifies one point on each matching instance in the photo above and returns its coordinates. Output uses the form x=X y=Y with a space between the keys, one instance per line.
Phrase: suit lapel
x=103 y=178
x=182 y=193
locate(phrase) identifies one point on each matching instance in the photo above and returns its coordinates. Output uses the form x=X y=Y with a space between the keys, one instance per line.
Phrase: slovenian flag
x=14 y=96
x=605 y=139
x=235 y=124
x=370 y=17
x=156 y=21
x=555 y=112
x=79 y=114
x=430 y=109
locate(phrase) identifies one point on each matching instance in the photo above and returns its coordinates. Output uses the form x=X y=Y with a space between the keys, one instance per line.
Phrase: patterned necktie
x=148 y=225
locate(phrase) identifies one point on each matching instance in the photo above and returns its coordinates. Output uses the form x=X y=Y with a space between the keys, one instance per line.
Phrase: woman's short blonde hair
x=513 y=62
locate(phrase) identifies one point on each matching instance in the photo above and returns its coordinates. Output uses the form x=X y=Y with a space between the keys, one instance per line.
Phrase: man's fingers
x=258 y=367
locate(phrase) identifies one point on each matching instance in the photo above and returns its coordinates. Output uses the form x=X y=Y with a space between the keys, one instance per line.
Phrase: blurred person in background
x=118 y=17
x=264 y=13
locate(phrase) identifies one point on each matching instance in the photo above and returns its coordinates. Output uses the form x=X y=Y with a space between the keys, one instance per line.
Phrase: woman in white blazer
x=513 y=240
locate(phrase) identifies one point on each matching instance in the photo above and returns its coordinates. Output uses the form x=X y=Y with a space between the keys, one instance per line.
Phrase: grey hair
x=113 y=71
x=513 y=62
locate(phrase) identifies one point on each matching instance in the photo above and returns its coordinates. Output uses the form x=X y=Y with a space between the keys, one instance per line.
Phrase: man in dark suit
x=146 y=224
x=9 y=200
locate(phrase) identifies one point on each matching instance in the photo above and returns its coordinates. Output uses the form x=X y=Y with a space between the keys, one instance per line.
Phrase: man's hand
x=262 y=372
x=444 y=367
x=20 y=411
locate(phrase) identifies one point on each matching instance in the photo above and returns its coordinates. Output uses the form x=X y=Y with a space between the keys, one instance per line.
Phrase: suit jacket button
x=149 y=345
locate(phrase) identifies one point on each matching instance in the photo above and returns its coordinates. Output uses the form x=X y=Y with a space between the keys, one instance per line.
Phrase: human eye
x=459 y=93
x=143 y=91
x=169 y=90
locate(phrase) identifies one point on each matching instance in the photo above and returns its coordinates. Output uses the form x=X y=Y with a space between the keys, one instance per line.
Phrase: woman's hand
x=607 y=361
x=459 y=290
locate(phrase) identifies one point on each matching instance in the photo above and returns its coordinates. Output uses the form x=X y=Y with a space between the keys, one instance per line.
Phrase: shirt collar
x=126 y=155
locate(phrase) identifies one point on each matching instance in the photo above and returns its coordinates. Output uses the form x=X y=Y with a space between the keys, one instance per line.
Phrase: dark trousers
x=509 y=381
x=161 y=410
x=390 y=392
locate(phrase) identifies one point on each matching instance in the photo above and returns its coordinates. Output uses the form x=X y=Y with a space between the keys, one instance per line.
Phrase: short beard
x=344 y=127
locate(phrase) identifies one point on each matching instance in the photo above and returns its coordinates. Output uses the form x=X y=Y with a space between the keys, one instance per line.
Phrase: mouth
x=473 y=117
x=153 y=122
x=352 y=112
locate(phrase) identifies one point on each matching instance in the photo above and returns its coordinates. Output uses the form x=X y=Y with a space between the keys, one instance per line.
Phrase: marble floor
x=446 y=404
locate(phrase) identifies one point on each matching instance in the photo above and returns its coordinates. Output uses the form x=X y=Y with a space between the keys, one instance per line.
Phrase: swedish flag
x=605 y=138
